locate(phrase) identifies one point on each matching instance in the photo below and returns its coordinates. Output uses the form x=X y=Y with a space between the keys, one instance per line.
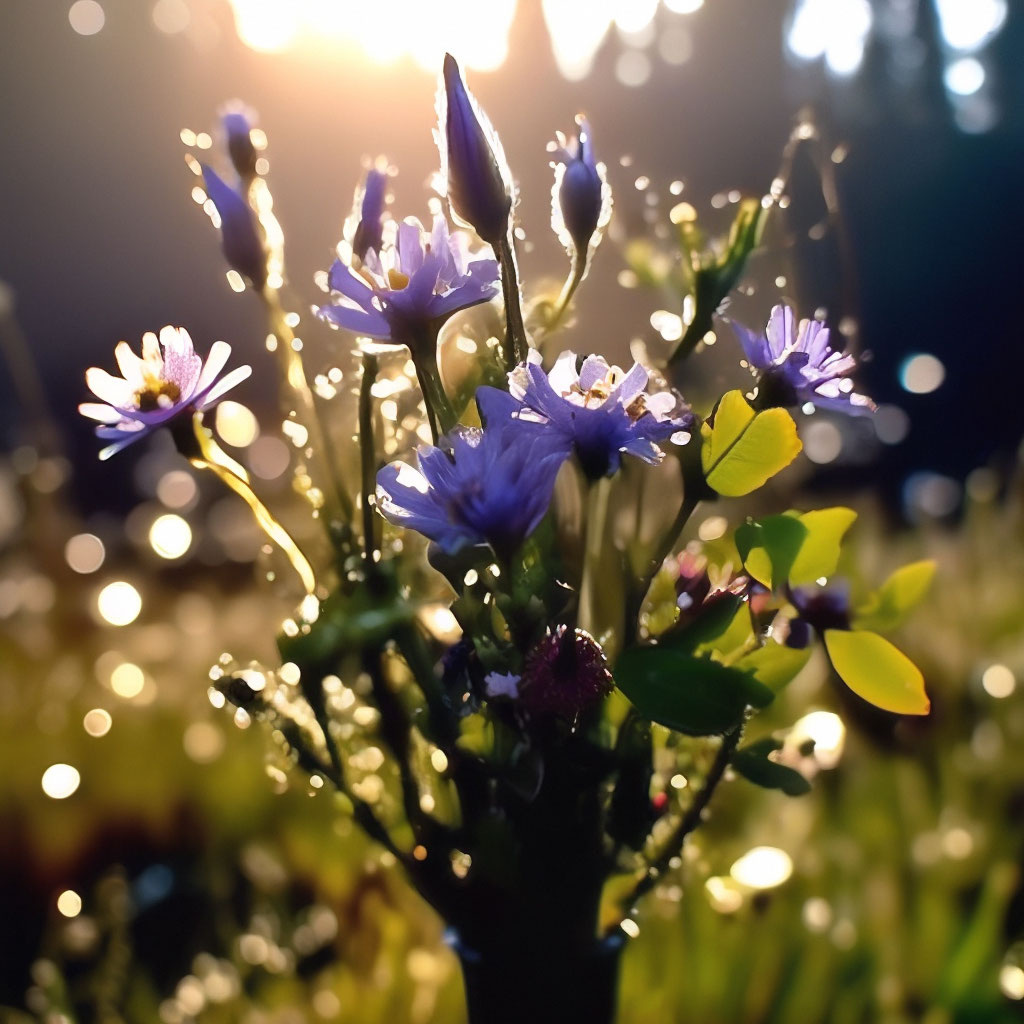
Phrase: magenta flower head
x=405 y=292
x=493 y=486
x=581 y=199
x=473 y=168
x=169 y=382
x=240 y=236
x=566 y=674
x=599 y=411
x=371 y=201
x=796 y=364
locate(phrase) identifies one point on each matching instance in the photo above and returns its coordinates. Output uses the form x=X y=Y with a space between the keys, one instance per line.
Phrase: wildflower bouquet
x=533 y=719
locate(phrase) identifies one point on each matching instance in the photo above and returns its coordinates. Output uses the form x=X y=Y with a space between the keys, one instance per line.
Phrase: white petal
x=131 y=366
x=225 y=385
x=110 y=389
x=563 y=376
x=103 y=413
x=215 y=362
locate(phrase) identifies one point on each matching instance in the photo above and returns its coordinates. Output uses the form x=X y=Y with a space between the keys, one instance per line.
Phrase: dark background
x=100 y=241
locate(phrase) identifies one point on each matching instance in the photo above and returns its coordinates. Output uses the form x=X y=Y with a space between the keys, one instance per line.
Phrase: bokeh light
x=763 y=867
x=60 y=781
x=170 y=536
x=119 y=603
x=69 y=903
x=86 y=17
x=84 y=553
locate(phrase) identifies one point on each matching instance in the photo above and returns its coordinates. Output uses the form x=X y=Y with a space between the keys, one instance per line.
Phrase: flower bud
x=243 y=154
x=240 y=238
x=473 y=168
x=369 y=233
x=581 y=196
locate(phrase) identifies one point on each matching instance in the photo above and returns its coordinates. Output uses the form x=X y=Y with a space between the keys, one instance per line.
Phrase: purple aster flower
x=240 y=237
x=599 y=411
x=493 y=486
x=371 y=201
x=406 y=291
x=473 y=168
x=581 y=198
x=169 y=381
x=797 y=364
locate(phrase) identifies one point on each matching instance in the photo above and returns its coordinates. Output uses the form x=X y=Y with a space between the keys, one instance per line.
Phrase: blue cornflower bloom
x=581 y=198
x=599 y=412
x=406 y=291
x=493 y=486
x=475 y=174
x=796 y=364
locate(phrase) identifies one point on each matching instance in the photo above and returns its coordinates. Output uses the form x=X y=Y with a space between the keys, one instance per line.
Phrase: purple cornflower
x=406 y=291
x=797 y=364
x=493 y=487
x=581 y=198
x=169 y=381
x=476 y=178
x=600 y=412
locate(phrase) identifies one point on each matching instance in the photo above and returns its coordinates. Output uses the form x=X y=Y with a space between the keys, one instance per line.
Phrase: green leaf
x=799 y=548
x=769 y=547
x=819 y=553
x=774 y=665
x=692 y=695
x=713 y=620
x=745 y=448
x=753 y=763
x=877 y=671
x=897 y=597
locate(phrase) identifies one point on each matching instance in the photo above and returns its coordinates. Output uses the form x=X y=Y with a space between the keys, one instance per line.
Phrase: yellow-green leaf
x=877 y=671
x=774 y=665
x=819 y=553
x=897 y=597
x=745 y=448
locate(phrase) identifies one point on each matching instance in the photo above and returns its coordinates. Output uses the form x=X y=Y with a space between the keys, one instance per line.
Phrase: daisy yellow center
x=397 y=280
x=157 y=394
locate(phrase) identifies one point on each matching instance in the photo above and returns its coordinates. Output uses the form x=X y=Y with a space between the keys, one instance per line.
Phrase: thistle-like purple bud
x=238 y=130
x=581 y=197
x=369 y=233
x=240 y=238
x=566 y=674
x=473 y=168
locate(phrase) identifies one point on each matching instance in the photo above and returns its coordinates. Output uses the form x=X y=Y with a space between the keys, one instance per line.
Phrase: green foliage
x=797 y=548
x=888 y=607
x=692 y=695
x=743 y=448
x=774 y=665
x=877 y=671
x=754 y=764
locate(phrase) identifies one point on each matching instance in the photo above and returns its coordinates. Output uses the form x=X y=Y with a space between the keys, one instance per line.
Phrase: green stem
x=598 y=493
x=517 y=344
x=339 y=502
x=690 y=820
x=368 y=458
x=440 y=412
x=577 y=271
